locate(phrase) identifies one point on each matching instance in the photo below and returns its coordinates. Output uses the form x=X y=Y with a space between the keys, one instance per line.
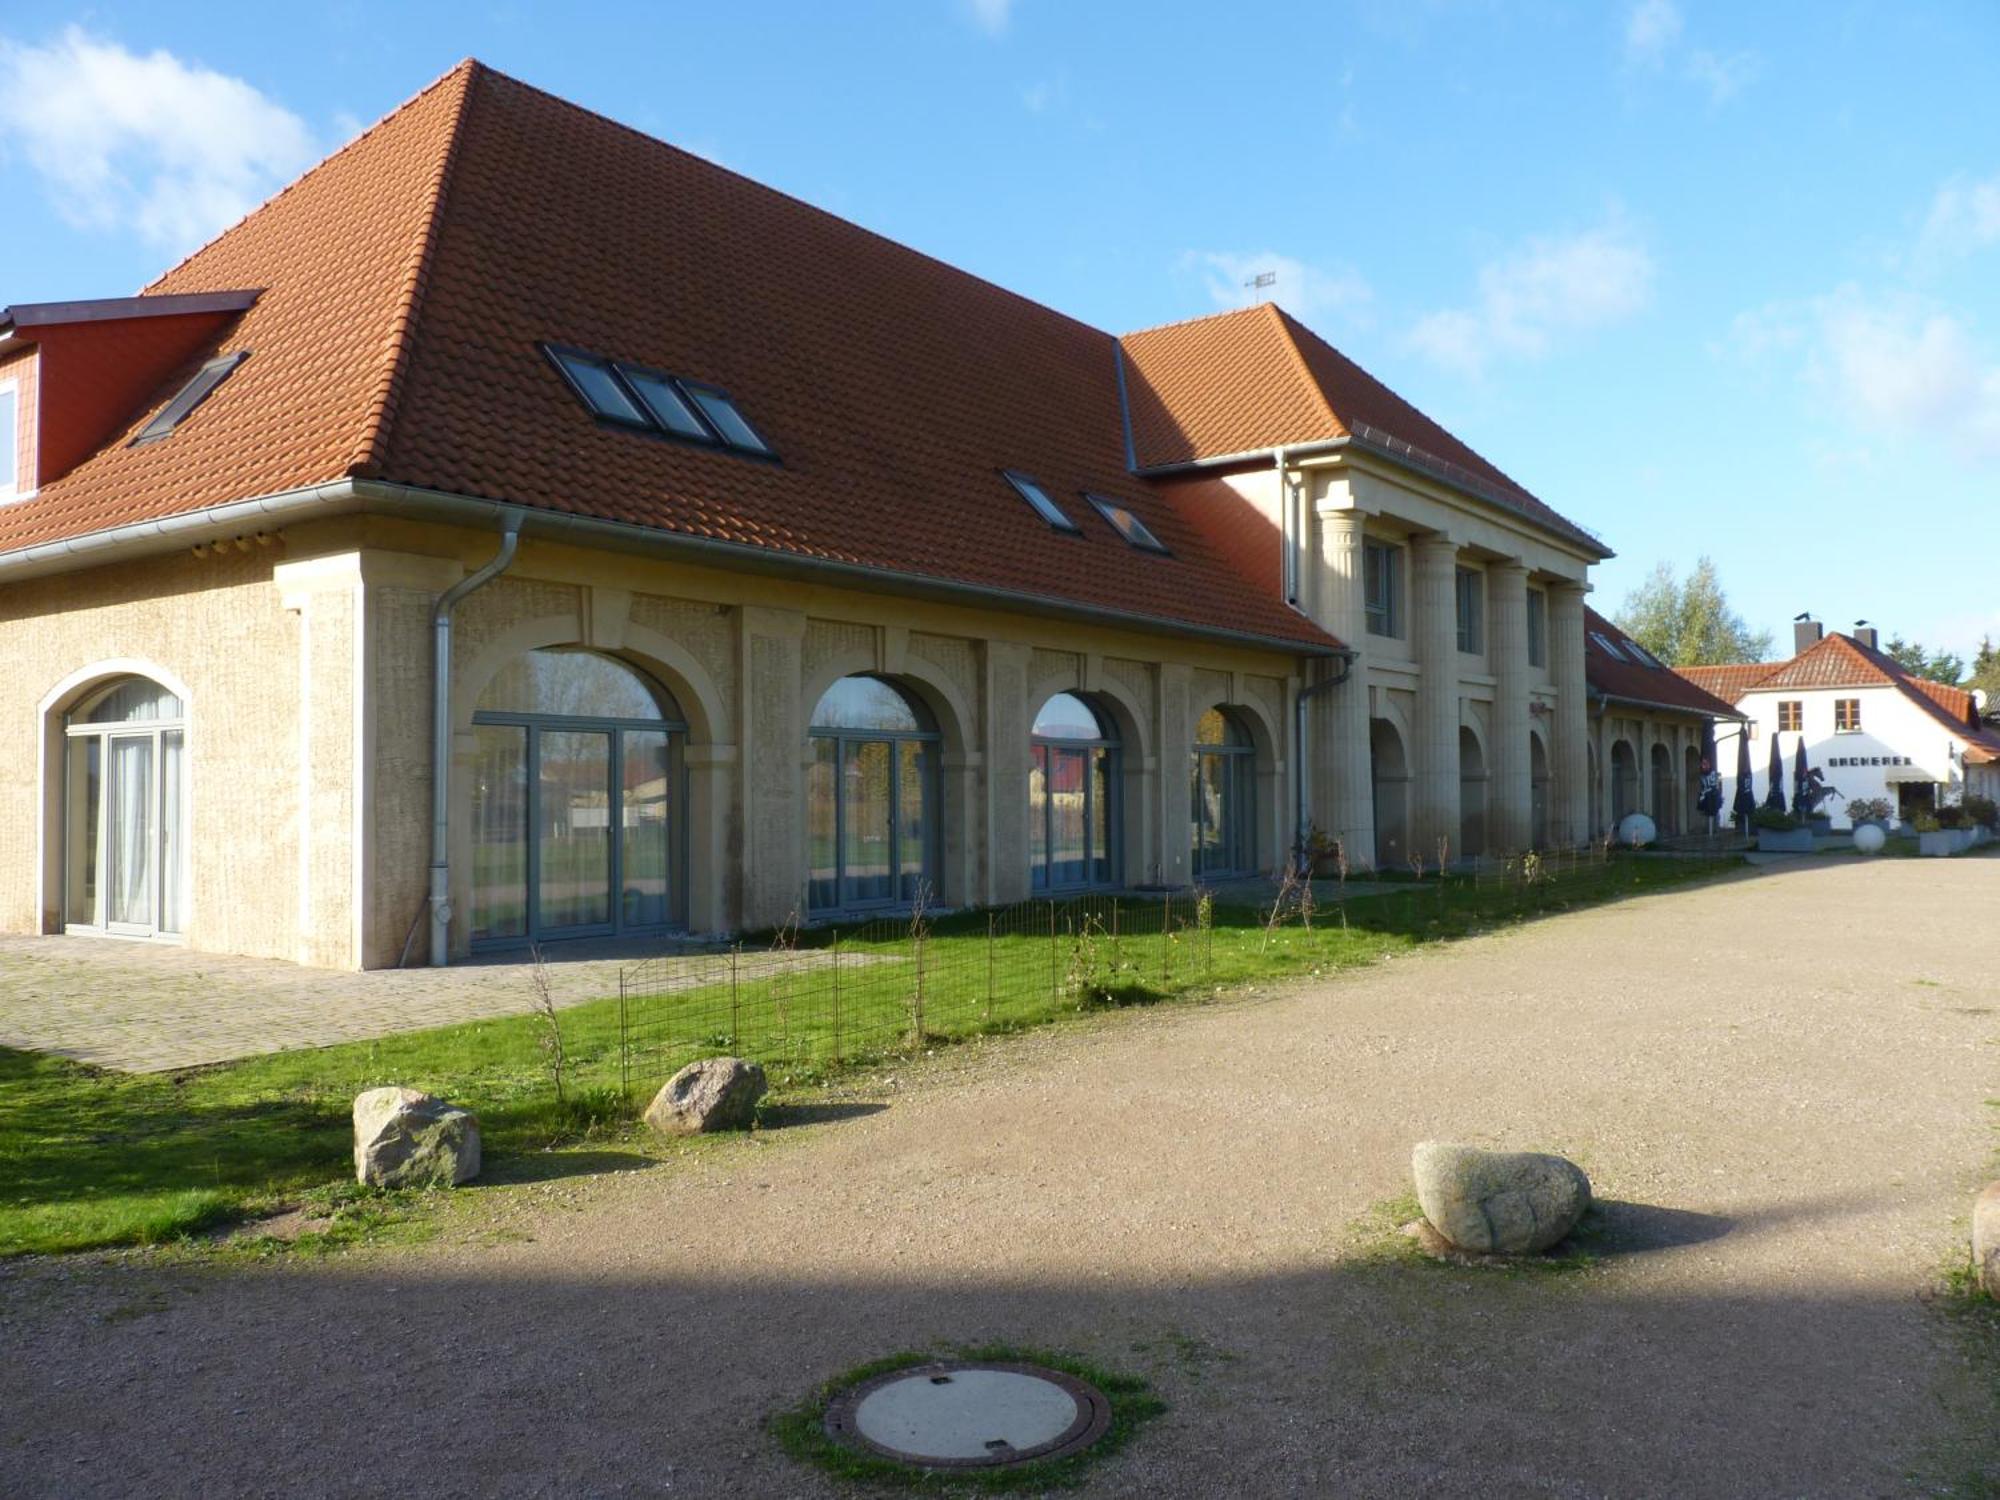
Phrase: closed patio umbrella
x=1774 y=799
x=1801 y=784
x=1746 y=795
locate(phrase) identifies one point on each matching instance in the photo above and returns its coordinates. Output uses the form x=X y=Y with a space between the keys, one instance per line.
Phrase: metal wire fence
x=838 y=996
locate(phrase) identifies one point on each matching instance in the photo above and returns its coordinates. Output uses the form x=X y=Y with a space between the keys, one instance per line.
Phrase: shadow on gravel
x=1639 y=1228
x=784 y=1116
x=644 y=1367
x=549 y=1166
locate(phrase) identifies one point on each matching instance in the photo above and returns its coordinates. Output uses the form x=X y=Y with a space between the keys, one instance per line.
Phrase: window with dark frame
x=1846 y=715
x=1127 y=525
x=1039 y=501
x=648 y=400
x=1607 y=646
x=1791 y=714
x=191 y=395
x=1471 y=592
x=1382 y=588
x=1538 y=628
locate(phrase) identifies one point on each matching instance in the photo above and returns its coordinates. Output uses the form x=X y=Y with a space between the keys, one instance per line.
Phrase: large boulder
x=1498 y=1202
x=717 y=1093
x=1986 y=1238
x=407 y=1138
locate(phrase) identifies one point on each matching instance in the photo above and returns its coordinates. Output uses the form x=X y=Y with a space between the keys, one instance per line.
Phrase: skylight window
x=668 y=406
x=634 y=396
x=1127 y=525
x=1604 y=641
x=191 y=395
x=1038 y=497
x=1641 y=652
x=600 y=388
x=725 y=418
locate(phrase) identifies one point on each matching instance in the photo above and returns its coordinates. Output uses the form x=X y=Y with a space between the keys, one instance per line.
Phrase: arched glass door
x=1225 y=797
x=870 y=795
x=576 y=801
x=124 y=812
x=1072 y=797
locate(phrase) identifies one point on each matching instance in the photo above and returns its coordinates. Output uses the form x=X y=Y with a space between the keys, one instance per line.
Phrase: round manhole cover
x=969 y=1415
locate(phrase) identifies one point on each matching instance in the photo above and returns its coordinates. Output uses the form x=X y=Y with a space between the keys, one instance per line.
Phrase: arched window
x=577 y=801
x=871 y=791
x=125 y=812
x=1389 y=778
x=1666 y=806
x=1072 y=796
x=1624 y=781
x=1538 y=791
x=1224 y=784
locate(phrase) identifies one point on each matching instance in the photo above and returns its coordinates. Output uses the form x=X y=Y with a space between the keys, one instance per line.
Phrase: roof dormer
x=75 y=374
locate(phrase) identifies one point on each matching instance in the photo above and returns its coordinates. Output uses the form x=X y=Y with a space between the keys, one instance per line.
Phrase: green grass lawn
x=91 y=1158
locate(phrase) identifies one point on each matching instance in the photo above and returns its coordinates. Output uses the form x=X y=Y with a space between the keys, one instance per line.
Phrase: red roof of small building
x=1730 y=681
x=1634 y=680
x=1841 y=661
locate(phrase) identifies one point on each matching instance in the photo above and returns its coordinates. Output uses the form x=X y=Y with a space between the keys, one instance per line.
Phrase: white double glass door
x=124 y=858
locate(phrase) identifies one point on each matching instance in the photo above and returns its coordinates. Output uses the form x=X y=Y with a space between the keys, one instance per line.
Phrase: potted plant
x=1984 y=814
x=1943 y=831
x=1874 y=810
x=1780 y=832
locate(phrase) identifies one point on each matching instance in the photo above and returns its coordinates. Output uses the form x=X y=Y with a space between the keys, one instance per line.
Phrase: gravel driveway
x=1779 y=1084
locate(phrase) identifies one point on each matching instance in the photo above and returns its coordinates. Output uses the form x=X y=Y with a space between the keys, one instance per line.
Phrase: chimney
x=1865 y=633
x=1806 y=633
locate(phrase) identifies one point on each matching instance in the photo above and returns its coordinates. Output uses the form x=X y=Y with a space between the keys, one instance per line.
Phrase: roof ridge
x=1286 y=325
x=467 y=65
x=380 y=412
x=1207 y=317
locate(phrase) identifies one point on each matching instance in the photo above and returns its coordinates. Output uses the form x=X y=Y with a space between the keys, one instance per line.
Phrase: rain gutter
x=1300 y=703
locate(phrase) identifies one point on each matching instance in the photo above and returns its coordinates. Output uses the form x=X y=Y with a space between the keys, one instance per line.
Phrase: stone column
x=772 y=789
x=1003 y=811
x=1570 y=802
x=1340 y=776
x=1434 y=811
x=1510 y=791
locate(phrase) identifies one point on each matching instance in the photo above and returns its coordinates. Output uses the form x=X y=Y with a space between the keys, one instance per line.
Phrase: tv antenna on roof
x=1261 y=280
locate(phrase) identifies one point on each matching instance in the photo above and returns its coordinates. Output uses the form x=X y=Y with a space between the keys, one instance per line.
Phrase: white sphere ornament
x=1636 y=828
x=1869 y=839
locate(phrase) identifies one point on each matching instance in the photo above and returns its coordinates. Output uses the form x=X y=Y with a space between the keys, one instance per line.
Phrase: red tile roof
x=1241 y=382
x=1841 y=661
x=1731 y=681
x=407 y=282
x=1633 y=681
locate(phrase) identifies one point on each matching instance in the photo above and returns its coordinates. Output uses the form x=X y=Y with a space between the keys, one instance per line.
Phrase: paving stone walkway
x=150 y=1008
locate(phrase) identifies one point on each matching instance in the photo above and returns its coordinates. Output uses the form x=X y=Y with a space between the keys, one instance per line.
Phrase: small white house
x=1870 y=726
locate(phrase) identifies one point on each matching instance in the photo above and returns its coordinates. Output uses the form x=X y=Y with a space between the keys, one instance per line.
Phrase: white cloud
x=990 y=16
x=1964 y=218
x=1651 y=29
x=1308 y=292
x=149 y=143
x=1552 y=286
x=1723 y=77
x=1899 y=365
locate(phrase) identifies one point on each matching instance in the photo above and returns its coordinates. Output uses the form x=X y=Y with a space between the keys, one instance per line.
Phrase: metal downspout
x=440 y=899
x=1300 y=703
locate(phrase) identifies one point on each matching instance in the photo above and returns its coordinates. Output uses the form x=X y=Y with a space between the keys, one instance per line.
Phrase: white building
x=1873 y=728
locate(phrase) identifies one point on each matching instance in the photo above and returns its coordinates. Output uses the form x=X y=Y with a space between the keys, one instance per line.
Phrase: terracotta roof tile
x=1635 y=682
x=409 y=280
x=1239 y=382
x=1729 y=681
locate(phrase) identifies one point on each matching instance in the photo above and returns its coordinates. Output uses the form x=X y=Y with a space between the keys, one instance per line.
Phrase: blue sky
x=1706 y=277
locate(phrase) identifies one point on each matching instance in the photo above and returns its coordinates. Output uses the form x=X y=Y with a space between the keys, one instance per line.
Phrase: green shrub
x=1983 y=811
x=1771 y=820
x=1952 y=817
x=1869 y=809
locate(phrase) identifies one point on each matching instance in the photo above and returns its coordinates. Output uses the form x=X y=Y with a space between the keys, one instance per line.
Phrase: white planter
x=1945 y=841
x=1792 y=841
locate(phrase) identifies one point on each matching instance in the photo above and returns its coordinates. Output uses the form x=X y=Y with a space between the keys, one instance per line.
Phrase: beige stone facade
x=303 y=660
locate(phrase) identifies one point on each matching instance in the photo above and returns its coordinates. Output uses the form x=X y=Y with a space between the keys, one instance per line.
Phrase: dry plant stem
x=545 y=1009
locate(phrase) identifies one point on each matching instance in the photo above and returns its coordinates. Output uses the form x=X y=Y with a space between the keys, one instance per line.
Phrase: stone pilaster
x=1510 y=791
x=772 y=788
x=1340 y=798
x=1434 y=811
x=1570 y=804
